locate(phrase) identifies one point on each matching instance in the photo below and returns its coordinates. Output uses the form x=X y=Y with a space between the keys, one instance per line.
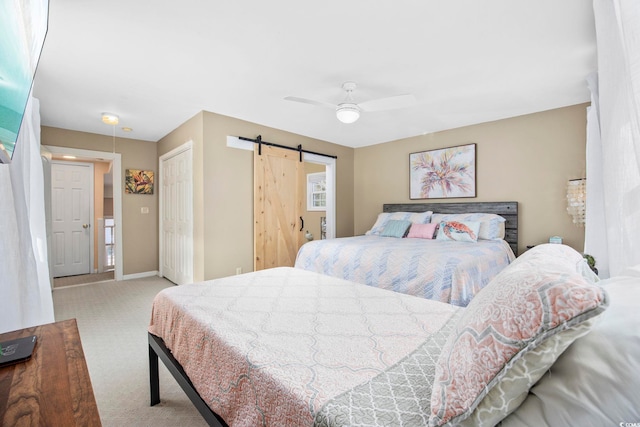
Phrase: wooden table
x=53 y=388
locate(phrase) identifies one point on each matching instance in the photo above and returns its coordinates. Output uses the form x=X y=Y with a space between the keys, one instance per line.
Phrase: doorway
x=116 y=167
x=328 y=229
x=279 y=197
x=330 y=165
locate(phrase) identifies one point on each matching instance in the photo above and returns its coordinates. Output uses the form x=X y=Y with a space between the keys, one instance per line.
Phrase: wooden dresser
x=53 y=388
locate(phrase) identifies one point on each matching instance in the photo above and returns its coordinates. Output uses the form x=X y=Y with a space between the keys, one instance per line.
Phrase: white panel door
x=177 y=218
x=184 y=218
x=71 y=201
x=169 y=220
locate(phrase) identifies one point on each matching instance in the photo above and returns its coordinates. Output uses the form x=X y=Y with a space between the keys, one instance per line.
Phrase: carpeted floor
x=112 y=319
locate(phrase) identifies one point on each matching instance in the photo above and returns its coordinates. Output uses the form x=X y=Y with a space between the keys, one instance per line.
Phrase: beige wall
x=139 y=231
x=227 y=186
x=527 y=159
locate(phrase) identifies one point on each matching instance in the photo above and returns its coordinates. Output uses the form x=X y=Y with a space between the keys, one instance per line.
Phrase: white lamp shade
x=576 y=200
x=110 y=118
x=348 y=113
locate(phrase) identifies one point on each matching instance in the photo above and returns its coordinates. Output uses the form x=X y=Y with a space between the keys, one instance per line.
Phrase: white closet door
x=177 y=217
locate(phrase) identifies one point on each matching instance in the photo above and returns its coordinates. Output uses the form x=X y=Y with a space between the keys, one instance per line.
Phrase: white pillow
x=491 y=225
x=461 y=231
x=595 y=382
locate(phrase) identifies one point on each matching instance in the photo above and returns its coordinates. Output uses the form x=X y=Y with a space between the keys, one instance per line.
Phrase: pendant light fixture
x=576 y=200
x=110 y=119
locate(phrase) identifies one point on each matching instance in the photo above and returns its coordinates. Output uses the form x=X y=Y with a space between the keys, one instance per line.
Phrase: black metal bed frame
x=157 y=349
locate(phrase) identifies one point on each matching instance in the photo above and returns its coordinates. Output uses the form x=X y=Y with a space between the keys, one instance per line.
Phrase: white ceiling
x=156 y=63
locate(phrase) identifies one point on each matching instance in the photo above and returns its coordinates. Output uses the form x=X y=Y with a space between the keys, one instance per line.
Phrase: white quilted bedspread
x=275 y=347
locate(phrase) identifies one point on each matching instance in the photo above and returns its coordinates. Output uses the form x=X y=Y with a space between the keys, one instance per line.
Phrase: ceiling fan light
x=110 y=118
x=348 y=113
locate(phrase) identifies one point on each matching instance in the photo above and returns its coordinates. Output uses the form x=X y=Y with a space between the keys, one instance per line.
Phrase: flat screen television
x=23 y=27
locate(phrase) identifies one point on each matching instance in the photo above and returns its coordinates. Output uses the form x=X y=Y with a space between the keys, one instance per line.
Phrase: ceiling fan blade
x=390 y=103
x=310 y=101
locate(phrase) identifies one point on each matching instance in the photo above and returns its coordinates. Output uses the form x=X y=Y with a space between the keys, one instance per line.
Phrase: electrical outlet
x=239 y=270
x=144 y=210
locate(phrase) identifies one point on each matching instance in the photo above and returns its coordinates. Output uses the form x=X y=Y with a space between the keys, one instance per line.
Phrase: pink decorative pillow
x=422 y=231
x=541 y=300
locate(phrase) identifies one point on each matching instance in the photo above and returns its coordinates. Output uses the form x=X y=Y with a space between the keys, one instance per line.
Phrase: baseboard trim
x=140 y=275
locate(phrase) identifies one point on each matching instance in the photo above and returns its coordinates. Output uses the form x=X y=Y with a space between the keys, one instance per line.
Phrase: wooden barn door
x=278 y=197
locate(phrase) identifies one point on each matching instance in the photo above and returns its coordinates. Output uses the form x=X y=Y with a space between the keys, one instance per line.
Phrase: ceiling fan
x=348 y=111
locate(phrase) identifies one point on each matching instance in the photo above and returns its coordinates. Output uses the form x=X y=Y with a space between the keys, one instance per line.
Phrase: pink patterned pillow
x=422 y=231
x=541 y=298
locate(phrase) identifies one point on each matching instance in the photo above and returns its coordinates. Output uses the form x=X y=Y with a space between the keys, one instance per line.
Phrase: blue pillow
x=395 y=228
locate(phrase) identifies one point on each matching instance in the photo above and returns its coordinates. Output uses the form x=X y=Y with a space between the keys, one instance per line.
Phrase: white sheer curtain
x=613 y=147
x=25 y=287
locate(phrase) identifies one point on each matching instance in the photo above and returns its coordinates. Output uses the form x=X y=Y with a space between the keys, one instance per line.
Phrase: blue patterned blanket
x=451 y=272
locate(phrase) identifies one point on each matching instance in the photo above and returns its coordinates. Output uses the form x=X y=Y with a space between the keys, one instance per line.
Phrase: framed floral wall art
x=138 y=181
x=443 y=173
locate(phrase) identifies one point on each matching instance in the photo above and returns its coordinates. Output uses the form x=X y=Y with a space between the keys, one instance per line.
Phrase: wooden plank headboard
x=507 y=210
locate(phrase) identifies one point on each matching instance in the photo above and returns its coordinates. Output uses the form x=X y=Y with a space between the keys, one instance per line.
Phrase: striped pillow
x=395 y=228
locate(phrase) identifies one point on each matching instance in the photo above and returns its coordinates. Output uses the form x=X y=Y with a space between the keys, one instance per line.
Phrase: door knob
x=85 y=225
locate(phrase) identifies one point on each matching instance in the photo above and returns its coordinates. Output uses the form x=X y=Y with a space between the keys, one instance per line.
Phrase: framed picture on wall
x=137 y=181
x=443 y=173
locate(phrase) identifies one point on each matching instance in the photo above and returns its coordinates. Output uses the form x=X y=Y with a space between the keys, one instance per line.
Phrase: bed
x=442 y=270
x=288 y=347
